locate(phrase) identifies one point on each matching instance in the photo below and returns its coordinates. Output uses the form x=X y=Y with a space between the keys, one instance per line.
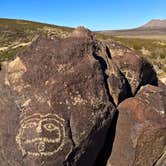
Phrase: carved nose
x=41 y=146
x=39 y=128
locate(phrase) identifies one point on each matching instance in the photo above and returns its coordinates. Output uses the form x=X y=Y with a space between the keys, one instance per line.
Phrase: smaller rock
x=140 y=132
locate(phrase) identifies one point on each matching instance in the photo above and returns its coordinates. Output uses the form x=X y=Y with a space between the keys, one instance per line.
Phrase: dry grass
x=15 y=35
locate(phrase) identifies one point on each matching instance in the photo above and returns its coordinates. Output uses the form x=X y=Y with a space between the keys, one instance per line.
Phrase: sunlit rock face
x=136 y=69
x=55 y=105
x=141 y=129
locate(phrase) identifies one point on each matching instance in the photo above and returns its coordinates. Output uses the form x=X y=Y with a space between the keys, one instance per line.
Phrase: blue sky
x=94 y=14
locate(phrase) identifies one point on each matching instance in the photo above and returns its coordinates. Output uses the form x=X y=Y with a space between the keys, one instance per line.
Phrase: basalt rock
x=118 y=85
x=137 y=70
x=141 y=130
x=55 y=107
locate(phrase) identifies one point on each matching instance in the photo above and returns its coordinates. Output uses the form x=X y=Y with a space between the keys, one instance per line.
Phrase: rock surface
x=118 y=85
x=59 y=101
x=136 y=69
x=54 y=104
x=141 y=129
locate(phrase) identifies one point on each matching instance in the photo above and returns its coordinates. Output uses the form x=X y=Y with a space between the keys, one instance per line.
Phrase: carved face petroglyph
x=41 y=135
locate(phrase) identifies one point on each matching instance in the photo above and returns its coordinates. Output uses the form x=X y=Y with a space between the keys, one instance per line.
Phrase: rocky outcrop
x=59 y=101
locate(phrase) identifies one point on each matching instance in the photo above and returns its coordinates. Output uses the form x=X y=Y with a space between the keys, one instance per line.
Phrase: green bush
x=9 y=54
x=137 y=46
x=162 y=56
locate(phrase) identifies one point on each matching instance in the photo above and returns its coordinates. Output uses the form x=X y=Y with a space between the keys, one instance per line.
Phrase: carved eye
x=29 y=125
x=50 y=127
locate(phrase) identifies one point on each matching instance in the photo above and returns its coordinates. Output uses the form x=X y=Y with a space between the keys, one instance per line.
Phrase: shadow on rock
x=108 y=145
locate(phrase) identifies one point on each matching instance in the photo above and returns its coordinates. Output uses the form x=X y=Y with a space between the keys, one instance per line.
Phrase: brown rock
x=54 y=104
x=118 y=86
x=155 y=97
x=141 y=129
x=136 y=69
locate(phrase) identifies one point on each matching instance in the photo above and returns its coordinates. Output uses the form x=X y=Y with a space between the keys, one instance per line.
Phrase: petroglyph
x=77 y=100
x=130 y=75
x=41 y=135
x=65 y=68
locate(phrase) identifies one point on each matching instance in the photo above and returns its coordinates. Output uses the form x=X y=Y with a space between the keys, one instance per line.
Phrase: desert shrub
x=162 y=56
x=137 y=46
x=9 y=54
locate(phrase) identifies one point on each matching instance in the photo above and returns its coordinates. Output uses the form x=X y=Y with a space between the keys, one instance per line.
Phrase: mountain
x=152 y=28
x=155 y=24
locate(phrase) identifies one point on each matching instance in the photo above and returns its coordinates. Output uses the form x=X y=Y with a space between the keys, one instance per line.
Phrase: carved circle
x=41 y=135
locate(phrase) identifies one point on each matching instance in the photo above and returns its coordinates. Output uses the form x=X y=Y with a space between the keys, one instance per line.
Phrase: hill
x=74 y=99
x=62 y=101
x=155 y=24
x=15 y=35
x=154 y=29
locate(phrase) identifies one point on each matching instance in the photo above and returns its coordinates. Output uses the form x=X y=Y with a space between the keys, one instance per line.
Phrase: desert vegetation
x=153 y=50
x=15 y=35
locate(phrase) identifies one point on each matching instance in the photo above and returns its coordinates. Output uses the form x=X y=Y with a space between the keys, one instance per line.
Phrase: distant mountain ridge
x=155 y=27
x=155 y=24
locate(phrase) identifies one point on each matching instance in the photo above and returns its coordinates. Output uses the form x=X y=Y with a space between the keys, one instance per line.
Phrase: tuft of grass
x=9 y=54
x=101 y=36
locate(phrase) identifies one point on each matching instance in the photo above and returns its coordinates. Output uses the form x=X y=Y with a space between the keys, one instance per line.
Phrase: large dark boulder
x=54 y=104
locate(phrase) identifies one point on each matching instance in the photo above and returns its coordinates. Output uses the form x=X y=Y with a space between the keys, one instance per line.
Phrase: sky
x=93 y=14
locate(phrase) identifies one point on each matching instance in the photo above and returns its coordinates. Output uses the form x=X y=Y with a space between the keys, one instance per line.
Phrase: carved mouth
x=45 y=140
